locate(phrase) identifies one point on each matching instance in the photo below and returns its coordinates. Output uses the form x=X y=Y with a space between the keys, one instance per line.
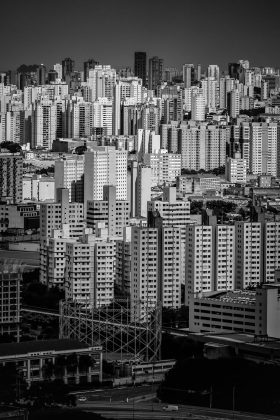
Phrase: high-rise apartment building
x=143 y=187
x=173 y=212
x=263 y=148
x=91 y=269
x=236 y=169
x=271 y=251
x=155 y=266
x=104 y=165
x=123 y=261
x=165 y=167
x=11 y=173
x=69 y=173
x=114 y=213
x=224 y=262
x=140 y=63
x=54 y=216
x=10 y=299
x=249 y=258
x=101 y=81
x=44 y=125
x=199 y=260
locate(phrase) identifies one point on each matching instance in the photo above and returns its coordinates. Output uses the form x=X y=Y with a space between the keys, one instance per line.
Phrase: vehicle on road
x=170 y=408
x=82 y=399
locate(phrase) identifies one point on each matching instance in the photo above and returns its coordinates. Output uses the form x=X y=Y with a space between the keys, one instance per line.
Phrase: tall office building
x=11 y=173
x=41 y=74
x=69 y=173
x=89 y=65
x=140 y=63
x=155 y=72
x=68 y=67
x=104 y=165
x=188 y=75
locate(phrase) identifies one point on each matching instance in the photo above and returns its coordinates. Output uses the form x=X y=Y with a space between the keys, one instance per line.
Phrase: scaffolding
x=130 y=330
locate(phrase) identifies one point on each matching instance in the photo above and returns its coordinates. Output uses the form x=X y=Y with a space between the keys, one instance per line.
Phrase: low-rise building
x=254 y=312
x=70 y=360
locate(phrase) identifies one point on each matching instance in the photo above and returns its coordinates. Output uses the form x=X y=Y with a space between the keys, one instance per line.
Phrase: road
x=129 y=403
x=155 y=411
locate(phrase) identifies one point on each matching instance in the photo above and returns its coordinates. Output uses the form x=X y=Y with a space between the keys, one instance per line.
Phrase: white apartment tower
x=69 y=173
x=271 y=249
x=165 y=167
x=143 y=186
x=44 y=124
x=105 y=166
x=114 y=213
x=236 y=169
x=101 y=81
x=248 y=238
x=199 y=260
x=263 y=148
x=224 y=269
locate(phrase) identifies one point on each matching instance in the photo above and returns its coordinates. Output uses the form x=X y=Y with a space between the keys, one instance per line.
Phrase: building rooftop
x=247 y=297
x=12 y=349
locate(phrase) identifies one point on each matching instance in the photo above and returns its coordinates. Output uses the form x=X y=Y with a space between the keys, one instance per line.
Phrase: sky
x=179 y=31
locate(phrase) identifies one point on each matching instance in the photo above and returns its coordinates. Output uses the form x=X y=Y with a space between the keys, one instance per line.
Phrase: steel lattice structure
x=131 y=329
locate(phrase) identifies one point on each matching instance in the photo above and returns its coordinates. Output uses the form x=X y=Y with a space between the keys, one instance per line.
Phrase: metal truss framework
x=131 y=329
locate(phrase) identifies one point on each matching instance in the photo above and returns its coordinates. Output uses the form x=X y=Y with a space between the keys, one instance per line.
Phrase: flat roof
x=13 y=349
x=233 y=296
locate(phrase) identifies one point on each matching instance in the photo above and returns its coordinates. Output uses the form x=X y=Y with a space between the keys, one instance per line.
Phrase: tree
x=11 y=146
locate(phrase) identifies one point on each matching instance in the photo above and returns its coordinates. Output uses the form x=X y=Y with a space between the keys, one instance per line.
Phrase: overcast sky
x=179 y=31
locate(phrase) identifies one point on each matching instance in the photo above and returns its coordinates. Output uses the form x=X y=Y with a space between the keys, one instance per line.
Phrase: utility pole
x=211 y=397
x=233 y=401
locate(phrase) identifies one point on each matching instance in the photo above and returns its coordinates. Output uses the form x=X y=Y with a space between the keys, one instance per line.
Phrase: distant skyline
x=215 y=32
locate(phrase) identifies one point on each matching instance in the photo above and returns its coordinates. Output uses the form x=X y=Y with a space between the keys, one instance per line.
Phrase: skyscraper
x=155 y=72
x=188 y=75
x=140 y=62
x=89 y=64
x=68 y=66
